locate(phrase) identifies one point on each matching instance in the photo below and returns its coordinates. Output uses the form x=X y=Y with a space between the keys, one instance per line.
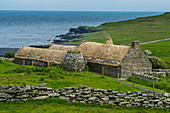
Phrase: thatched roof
x=104 y=52
x=63 y=47
x=41 y=54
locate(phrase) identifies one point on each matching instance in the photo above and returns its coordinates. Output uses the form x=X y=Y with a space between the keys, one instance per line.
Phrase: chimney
x=109 y=41
x=135 y=44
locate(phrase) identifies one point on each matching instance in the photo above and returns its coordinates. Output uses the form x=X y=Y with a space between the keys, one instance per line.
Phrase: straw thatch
x=105 y=51
x=40 y=54
x=63 y=47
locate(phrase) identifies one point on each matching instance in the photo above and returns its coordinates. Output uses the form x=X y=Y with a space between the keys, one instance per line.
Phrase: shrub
x=42 y=79
x=157 y=63
x=9 y=55
x=87 y=68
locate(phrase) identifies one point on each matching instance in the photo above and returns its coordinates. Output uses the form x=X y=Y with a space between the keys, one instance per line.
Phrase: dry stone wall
x=86 y=95
x=23 y=93
x=73 y=61
x=163 y=72
x=146 y=76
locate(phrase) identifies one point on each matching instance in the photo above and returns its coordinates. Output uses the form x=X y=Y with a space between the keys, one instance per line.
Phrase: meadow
x=57 y=78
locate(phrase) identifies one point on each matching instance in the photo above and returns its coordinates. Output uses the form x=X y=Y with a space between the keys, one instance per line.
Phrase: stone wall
x=73 y=61
x=164 y=72
x=86 y=95
x=135 y=61
x=35 y=62
x=23 y=93
x=108 y=69
x=146 y=76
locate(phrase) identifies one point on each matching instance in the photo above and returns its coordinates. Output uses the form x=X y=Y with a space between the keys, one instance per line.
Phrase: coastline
x=66 y=37
x=5 y=50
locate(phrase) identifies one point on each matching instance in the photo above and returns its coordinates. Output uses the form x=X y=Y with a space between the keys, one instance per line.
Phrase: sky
x=86 y=5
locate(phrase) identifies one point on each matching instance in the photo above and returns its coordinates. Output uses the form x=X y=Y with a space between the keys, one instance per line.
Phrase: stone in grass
x=41 y=97
x=92 y=98
x=3 y=100
x=105 y=99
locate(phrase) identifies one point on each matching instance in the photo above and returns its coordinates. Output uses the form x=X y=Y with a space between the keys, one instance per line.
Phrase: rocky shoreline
x=72 y=34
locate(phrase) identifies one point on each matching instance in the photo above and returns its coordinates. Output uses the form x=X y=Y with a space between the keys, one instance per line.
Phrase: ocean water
x=24 y=28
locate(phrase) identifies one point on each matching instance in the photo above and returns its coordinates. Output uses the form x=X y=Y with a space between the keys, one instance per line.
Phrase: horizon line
x=77 y=10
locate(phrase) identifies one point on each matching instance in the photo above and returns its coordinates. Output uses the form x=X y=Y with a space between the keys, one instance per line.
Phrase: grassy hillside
x=159 y=49
x=56 y=78
x=144 y=29
x=124 y=32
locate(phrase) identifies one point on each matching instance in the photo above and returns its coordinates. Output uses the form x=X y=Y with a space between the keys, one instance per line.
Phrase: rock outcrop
x=82 y=30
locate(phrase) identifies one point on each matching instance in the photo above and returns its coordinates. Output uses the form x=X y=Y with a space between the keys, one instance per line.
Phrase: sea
x=25 y=28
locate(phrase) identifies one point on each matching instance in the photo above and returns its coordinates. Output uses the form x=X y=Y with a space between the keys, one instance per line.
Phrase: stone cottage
x=116 y=59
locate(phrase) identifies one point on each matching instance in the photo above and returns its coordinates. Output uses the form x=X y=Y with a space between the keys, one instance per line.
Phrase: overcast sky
x=86 y=5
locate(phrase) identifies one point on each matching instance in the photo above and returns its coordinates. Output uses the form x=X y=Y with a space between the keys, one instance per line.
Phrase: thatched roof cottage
x=116 y=59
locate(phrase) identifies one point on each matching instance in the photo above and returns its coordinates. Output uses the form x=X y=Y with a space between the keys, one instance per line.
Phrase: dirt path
x=155 y=41
x=137 y=86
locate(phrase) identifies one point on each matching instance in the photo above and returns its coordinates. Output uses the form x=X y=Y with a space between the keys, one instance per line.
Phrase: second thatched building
x=116 y=59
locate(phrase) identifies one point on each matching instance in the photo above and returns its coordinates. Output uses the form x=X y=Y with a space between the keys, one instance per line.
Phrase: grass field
x=55 y=105
x=164 y=84
x=159 y=49
x=124 y=32
x=56 y=78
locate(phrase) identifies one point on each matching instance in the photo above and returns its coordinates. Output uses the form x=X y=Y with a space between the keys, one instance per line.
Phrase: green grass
x=143 y=29
x=147 y=87
x=164 y=84
x=56 y=105
x=159 y=49
x=56 y=78
x=124 y=32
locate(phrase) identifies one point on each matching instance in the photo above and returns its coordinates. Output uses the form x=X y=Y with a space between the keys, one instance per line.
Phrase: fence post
x=133 y=81
x=102 y=71
x=48 y=64
x=76 y=69
x=32 y=63
x=23 y=62
x=118 y=77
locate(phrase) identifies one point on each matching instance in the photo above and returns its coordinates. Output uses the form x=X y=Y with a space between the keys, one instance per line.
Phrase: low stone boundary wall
x=165 y=72
x=86 y=95
x=23 y=93
x=146 y=77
